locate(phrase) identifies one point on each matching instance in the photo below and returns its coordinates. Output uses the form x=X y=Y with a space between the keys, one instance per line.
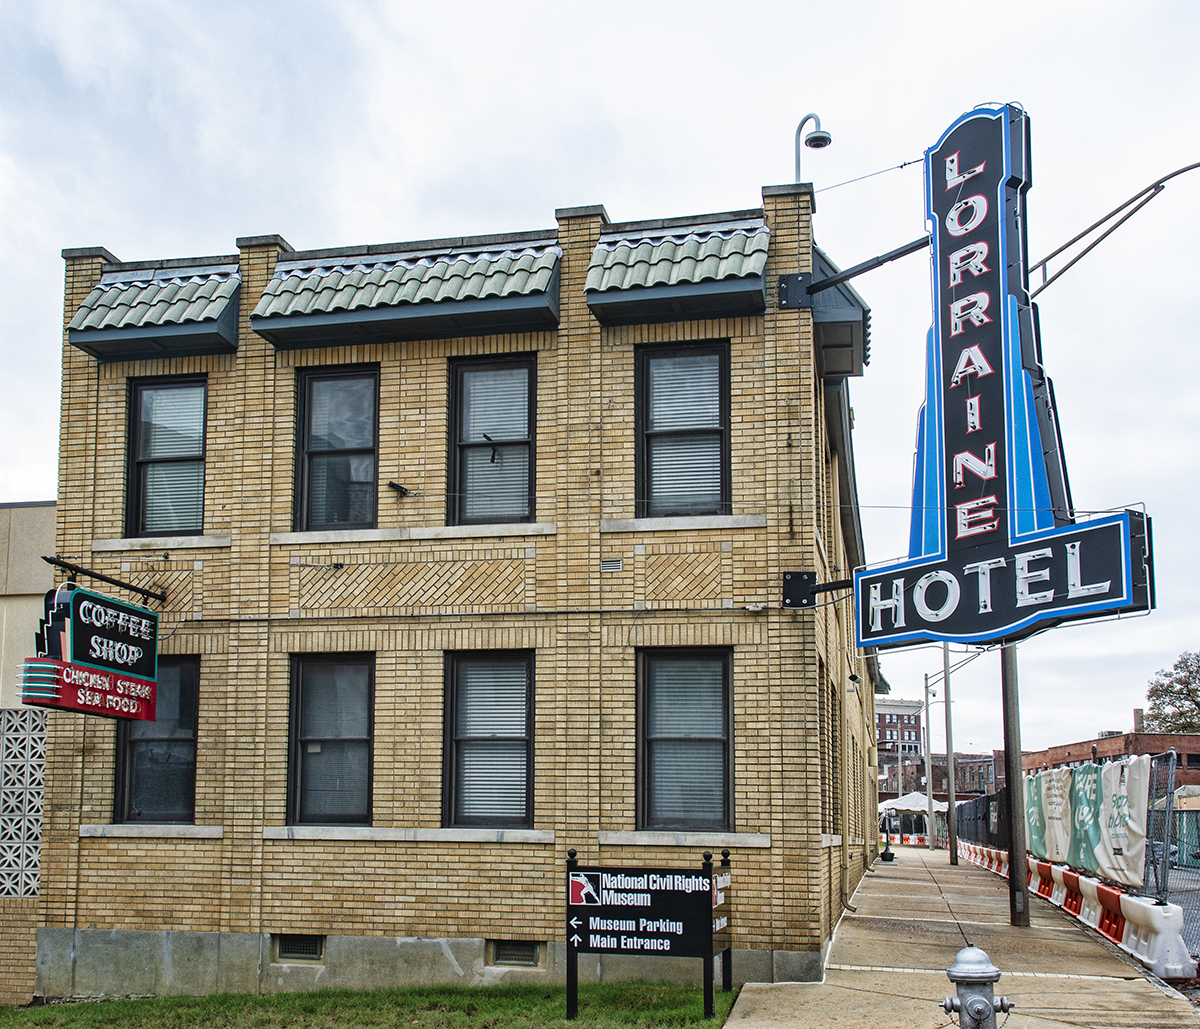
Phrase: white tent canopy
x=913 y=804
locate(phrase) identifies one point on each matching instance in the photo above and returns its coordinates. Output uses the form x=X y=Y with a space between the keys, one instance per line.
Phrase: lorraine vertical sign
x=96 y=655
x=994 y=549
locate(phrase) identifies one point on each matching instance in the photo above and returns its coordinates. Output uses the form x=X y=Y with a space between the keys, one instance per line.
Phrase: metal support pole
x=727 y=953
x=572 y=956
x=928 y=770
x=706 y=869
x=951 y=824
x=1018 y=878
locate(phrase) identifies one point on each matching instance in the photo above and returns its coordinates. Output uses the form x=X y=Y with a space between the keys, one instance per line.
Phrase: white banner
x=1092 y=817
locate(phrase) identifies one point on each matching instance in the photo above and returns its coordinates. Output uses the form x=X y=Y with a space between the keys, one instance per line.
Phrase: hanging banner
x=96 y=655
x=995 y=552
x=1092 y=817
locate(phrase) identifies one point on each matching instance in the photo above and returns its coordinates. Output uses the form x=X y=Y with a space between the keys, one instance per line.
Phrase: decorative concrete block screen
x=22 y=777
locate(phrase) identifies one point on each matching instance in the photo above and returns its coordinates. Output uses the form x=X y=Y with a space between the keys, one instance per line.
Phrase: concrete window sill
x=377 y=834
x=160 y=543
x=708 y=840
x=149 y=832
x=683 y=524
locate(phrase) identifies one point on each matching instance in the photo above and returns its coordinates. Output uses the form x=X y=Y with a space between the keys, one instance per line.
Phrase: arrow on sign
x=575 y=923
x=576 y=940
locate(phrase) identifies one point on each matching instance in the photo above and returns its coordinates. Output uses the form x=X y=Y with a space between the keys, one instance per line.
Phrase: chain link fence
x=1173 y=849
x=1172 y=871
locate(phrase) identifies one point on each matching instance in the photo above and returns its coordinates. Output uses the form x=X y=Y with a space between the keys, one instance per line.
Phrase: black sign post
x=667 y=912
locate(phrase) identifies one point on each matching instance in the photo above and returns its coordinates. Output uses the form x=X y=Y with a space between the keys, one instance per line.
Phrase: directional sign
x=665 y=911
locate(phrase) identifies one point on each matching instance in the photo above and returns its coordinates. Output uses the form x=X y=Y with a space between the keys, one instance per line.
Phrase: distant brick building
x=1112 y=746
x=473 y=552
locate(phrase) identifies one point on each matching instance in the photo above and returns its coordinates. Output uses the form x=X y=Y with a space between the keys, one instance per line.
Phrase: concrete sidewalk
x=886 y=968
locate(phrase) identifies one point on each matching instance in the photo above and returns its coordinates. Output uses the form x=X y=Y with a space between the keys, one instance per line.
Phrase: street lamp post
x=951 y=814
x=929 y=765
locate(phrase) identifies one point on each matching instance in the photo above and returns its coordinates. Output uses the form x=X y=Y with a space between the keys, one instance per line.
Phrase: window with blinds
x=338 y=449
x=156 y=761
x=166 y=481
x=492 y=448
x=489 y=739
x=684 y=746
x=683 y=437
x=330 y=769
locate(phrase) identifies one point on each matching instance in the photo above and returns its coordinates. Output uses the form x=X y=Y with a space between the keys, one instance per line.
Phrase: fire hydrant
x=973 y=974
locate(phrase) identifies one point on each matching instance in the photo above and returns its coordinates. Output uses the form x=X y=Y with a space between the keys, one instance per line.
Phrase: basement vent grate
x=612 y=564
x=298 y=947
x=514 y=952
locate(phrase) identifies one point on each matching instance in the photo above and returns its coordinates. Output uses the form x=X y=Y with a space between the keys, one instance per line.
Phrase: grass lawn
x=604 y=1006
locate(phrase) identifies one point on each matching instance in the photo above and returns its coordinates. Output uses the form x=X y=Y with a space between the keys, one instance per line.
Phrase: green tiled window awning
x=661 y=271
x=140 y=313
x=333 y=299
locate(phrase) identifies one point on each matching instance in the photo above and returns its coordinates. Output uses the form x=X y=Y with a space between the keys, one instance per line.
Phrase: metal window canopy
x=442 y=319
x=155 y=334
x=841 y=318
x=733 y=297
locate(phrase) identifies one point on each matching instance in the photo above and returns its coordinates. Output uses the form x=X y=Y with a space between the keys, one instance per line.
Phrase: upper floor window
x=491 y=454
x=331 y=737
x=683 y=430
x=166 y=458
x=488 y=777
x=684 y=739
x=156 y=761
x=337 y=451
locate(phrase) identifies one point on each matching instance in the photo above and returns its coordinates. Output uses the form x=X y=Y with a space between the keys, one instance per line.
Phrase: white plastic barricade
x=1154 y=935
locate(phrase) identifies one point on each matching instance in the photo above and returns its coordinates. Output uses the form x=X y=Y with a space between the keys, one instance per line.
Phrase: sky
x=160 y=130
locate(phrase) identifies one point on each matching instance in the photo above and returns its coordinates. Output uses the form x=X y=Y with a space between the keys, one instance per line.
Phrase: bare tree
x=1174 y=697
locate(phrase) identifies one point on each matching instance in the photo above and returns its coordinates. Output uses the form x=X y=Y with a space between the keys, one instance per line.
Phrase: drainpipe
x=845 y=806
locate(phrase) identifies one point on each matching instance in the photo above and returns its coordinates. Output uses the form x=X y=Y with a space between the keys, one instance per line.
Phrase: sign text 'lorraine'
x=995 y=552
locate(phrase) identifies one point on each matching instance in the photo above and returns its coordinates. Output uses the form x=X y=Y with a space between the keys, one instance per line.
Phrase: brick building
x=473 y=552
x=26 y=533
x=1112 y=746
x=899 y=726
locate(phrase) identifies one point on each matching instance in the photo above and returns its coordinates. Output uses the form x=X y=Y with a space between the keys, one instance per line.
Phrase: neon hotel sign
x=994 y=550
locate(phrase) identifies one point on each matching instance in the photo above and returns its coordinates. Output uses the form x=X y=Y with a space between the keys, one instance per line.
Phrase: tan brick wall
x=246 y=607
x=18 y=948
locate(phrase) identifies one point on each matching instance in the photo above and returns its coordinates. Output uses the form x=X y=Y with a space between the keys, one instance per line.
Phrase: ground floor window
x=330 y=766
x=488 y=750
x=156 y=761
x=683 y=729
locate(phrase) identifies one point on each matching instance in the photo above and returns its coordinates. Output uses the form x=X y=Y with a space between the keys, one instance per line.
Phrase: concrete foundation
x=122 y=963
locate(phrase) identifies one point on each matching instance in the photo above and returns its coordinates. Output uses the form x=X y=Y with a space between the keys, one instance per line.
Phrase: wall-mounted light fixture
x=818 y=139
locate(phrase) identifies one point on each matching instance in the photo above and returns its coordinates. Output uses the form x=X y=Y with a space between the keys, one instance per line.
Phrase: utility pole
x=951 y=824
x=1014 y=790
x=928 y=767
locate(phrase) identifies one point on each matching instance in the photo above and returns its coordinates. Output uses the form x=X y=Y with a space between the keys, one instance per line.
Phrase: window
x=330 y=770
x=336 y=455
x=491 y=459
x=683 y=437
x=156 y=761
x=489 y=739
x=684 y=757
x=166 y=458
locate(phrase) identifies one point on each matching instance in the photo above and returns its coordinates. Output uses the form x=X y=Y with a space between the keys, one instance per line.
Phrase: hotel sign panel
x=994 y=550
